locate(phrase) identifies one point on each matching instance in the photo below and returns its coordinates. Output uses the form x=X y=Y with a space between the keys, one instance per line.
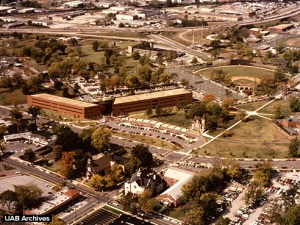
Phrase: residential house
x=145 y=180
x=98 y=164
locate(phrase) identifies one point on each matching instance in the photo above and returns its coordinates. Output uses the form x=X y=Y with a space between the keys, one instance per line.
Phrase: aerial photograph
x=151 y=112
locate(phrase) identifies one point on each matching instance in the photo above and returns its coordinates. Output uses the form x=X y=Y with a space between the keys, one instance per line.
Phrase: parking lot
x=99 y=217
x=204 y=85
x=8 y=182
x=239 y=213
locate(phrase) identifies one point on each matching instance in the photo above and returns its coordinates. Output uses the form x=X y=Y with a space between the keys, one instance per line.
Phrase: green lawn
x=66 y=118
x=177 y=213
x=9 y=98
x=112 y=210
x=8 y=167
x=239 y=71
x=251 y=138
x=177 y=118
x=284 y=103
x=251 y=106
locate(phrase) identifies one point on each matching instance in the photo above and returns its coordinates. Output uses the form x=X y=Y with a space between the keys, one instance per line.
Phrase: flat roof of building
x=151 y=95
x=177 y=174
x=69 y=101
x=282 y=26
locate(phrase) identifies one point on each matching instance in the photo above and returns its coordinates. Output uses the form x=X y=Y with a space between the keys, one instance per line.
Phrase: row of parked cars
x=140 y=132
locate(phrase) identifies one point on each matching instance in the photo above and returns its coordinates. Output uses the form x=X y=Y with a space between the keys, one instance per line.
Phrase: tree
x=132 y=165
x=97 y=182
x=56 y=221
x=27 y=196
x=67 y=163
x=223 y=221
x=227 y=103
x=184 y=83
x=116 y=173
x=194 y=60
x=145 y=201
x=294 y=103
x=262 y=174
x=241 y=115
x=29 y=155
x=35 y=82
x=57 y=151
x=209 y=98
x=158 y=110
x=34 y=111
x=95 y=46
x=136 y=55
x=291 y=217
x=66 y=137
x=85 y=137
x=65 y=91
x=279 y=75
x=16 y=114
x=143 y=154
x=130 y=202
x=7 y=198
x=101 y=139
x=277 y=111
x=294 y=147
x=149 y=112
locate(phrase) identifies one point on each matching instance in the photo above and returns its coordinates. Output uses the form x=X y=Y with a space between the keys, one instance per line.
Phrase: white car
x=17 y=172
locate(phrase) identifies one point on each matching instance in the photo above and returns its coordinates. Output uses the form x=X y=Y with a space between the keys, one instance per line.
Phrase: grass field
x=147 y=140
x=112 y=210
x=251 y=106
x=239 y=71
x=250 y=139
x=66 y=118
x=284 y=103
x=9 y=98
x=177 y=118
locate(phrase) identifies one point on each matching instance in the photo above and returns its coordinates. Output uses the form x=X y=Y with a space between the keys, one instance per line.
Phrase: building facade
x=140 y=102
x=65 y=105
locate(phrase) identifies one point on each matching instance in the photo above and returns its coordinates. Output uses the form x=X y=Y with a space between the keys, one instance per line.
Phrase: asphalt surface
x=203 y=84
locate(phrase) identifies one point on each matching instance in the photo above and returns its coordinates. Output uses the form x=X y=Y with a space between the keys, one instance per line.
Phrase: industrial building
x=140 y=102
x=280 y=28
x=65 y=105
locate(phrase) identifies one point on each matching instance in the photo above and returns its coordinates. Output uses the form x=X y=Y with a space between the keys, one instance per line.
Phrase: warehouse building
x=280 y=28
x=140 y=102
x=65 y=105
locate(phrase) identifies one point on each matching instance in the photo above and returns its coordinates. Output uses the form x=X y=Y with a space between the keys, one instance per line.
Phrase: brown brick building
x=140 y=102
x=65 y=105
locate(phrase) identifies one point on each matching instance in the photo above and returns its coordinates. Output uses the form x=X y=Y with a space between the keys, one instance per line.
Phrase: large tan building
x=139 y=102
x=65 y=105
